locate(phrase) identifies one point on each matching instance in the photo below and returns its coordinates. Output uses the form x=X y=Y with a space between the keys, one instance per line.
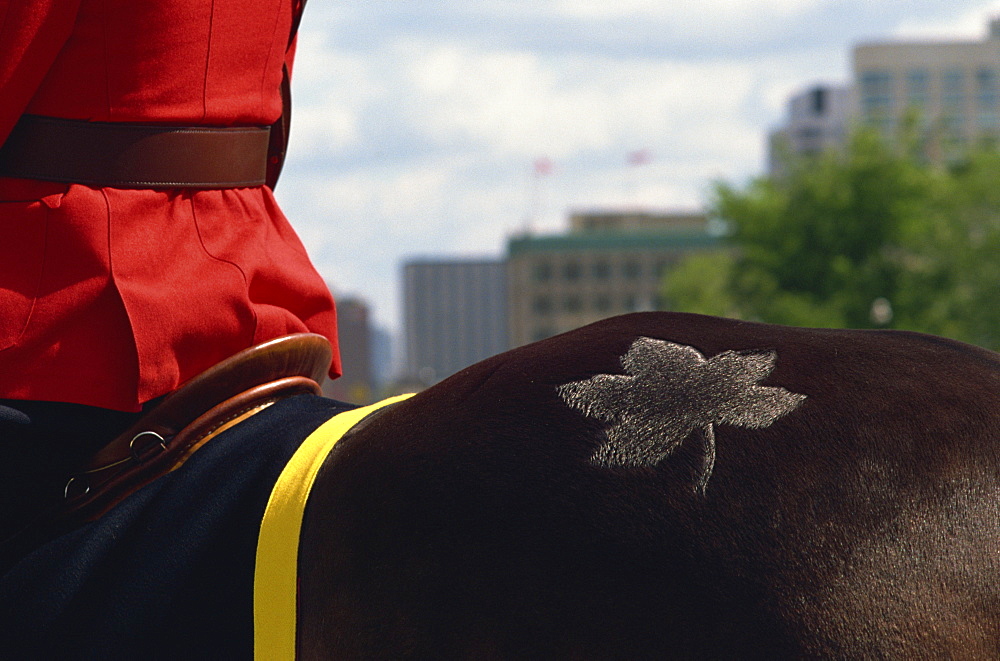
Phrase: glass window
x=818 y=101
x=953 y=102
x=572 y=303
x=986 y=87
x=988 y=99
x=918 y=84
x=876 y=93
x=541 y=305
x=601 y=270
x=542 y=272
x=953 y=88
x=571 y=270
x=632 y=270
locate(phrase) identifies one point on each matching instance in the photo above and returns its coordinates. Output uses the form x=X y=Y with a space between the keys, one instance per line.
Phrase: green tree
x=953 y=280
x=843 y=237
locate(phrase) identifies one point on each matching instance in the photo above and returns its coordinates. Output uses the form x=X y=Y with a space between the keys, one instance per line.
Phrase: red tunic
x=112 y=297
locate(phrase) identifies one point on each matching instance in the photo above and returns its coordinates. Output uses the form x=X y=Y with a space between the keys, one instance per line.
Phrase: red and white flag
x=543 y=167
x=639 y=157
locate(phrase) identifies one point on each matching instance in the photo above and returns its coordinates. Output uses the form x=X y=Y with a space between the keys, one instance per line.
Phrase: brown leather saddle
x=215 y=400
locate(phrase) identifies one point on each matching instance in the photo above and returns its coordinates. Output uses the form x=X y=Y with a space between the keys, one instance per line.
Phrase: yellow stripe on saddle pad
x=275 y=577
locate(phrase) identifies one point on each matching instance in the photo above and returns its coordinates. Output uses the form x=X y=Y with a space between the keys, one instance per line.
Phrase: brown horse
x=651 y=486
x=561 y=501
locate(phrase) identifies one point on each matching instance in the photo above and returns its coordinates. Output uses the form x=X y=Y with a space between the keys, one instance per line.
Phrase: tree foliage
x=843 y=238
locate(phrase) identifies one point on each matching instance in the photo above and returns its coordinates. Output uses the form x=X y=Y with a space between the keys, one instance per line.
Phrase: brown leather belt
x=135 y=155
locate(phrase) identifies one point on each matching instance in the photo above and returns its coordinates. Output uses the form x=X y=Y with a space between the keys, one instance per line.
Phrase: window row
x=601 y=303
x=878 y=89
x=572 y=271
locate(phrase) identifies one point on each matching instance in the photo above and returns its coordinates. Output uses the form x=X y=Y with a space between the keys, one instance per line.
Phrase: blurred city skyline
x=418 y=128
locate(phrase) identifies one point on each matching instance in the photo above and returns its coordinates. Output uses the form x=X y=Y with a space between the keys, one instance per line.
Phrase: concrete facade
x=951 y=89
x=454 y=315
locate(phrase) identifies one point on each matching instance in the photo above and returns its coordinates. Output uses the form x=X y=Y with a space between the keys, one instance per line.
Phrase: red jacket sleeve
x=31 y=34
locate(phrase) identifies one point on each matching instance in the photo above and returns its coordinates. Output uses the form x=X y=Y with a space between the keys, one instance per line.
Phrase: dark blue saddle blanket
x=168 y=573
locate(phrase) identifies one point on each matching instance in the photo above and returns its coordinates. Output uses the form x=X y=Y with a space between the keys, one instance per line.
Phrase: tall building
x=354 y=334
x=818 y=118
x=454 y=315
x=949 y=90
x=384 y=368
x=608 y=263
x=952 y=88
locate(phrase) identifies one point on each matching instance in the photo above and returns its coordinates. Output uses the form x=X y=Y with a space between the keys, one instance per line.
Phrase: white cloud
x=509 y=102
x=682 y=10
x=468 y=123
x=520 y=104
x=331 y=90
x=323 y=129
x=969 y=24
x=416 y=124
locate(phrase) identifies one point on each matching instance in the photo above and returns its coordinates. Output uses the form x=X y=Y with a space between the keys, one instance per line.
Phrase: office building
x=354 y=334
x=454 y=315
x=818 y=119
x=951 y=89
x=608 y=263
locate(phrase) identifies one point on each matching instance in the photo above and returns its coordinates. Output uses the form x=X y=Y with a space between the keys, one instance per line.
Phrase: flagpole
x=542 y=167
x=635 y=160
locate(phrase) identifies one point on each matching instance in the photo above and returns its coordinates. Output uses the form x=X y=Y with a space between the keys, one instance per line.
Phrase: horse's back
x=664 y=485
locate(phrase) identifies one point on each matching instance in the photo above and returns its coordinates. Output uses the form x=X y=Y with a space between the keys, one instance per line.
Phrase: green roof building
x=608 y=263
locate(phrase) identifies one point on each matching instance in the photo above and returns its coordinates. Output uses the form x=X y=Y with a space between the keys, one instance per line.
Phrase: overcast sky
x=417 y=124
